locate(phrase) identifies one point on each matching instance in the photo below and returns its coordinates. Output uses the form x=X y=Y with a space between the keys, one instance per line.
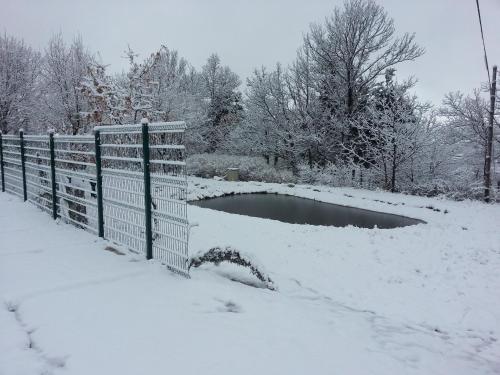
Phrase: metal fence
x=127 y=183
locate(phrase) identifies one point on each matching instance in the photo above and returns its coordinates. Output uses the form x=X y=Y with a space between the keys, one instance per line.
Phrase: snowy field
x=415 y=300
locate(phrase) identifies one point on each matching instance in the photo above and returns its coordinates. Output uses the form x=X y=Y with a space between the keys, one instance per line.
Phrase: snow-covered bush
x=251 y=168
x=218 y=255
x=337 y=175
x=456 y=190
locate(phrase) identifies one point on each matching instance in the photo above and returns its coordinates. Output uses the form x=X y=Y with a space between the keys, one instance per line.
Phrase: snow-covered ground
x=416 y=300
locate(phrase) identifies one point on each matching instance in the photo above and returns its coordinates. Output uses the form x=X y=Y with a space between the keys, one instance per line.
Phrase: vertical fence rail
x=126 y=184
x=147 y=190
x=23 y=164
x=98 y=171
x=1 y=163
x=53 y=174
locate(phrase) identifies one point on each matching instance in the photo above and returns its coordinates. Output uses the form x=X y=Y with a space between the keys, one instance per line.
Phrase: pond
x=295 y=210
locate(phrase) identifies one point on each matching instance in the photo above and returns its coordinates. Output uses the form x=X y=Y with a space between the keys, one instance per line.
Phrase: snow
x=416 y=300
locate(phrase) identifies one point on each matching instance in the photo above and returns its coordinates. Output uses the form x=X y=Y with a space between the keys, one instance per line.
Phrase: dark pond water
x=296 y=210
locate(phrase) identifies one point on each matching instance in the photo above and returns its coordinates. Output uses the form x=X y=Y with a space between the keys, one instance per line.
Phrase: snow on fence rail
x=127 y=183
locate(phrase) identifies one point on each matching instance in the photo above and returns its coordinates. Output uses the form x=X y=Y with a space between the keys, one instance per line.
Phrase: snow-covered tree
x=223 y=101
x=19 y=71
x=466 y=123
x=137 y=86
x=165 y=87
x=315 y=103
x=104 y=98
x=390 y=133
x=170 y=75
x=307 y=109
x=63 y=70
x=350 y=52
x=272 y=121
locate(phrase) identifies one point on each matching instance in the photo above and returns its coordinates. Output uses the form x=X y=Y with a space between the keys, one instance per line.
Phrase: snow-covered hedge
x=456 y=190
x=457 y=187
x=460 y=186
x=250 y=168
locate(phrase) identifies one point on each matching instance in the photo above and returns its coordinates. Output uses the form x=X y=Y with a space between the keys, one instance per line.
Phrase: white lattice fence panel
x=123 y=190
x=123 y=198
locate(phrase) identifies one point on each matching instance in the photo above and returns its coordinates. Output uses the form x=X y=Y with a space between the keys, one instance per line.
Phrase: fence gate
x=127 y=183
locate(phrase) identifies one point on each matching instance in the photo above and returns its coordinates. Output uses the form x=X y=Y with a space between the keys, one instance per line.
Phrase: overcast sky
x=248 y=34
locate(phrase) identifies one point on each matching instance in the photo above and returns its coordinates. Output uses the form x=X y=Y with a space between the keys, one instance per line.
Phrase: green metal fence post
x=1 y=163
x=147 y=189
x=53 y=174
x=23 y=167
x=98 y=168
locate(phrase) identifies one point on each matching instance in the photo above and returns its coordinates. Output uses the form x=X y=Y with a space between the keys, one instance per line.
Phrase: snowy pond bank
x=422 y=299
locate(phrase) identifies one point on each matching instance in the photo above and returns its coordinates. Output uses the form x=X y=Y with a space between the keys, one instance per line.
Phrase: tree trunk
x=386 y=177
x=393 y=182
x=3 y=126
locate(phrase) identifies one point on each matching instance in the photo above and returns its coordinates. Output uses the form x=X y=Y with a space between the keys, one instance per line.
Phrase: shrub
x=456 y=190
x=335 y=175
x=218 y=255
x=251 y=168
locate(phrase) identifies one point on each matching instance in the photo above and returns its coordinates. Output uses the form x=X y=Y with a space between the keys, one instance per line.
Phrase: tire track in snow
x=76 y=285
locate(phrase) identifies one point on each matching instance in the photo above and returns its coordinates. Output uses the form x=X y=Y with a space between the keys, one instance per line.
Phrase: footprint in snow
x=230 y=306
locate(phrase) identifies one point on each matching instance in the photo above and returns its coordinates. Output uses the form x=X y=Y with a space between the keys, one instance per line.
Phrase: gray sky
x=248 y=34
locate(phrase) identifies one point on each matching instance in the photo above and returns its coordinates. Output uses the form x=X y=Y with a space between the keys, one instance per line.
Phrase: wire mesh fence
x=38 y=171
x=12 y=178
x=75 y=171
x=126 y=183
